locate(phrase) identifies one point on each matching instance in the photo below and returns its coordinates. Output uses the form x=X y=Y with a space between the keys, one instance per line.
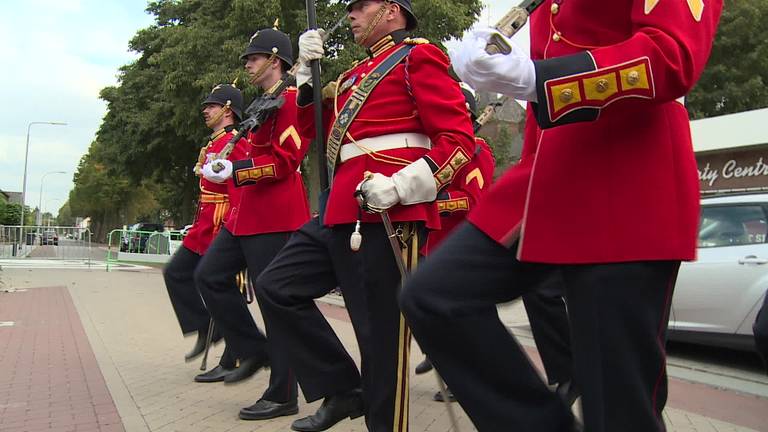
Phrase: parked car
x=135 y=237
x=717 y=296
x=49 y=237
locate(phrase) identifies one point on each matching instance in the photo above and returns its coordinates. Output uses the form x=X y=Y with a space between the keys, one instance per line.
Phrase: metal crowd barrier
x=45 y=242
x=125 y=245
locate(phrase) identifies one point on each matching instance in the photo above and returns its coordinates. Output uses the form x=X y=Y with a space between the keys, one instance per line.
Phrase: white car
x=718 y=295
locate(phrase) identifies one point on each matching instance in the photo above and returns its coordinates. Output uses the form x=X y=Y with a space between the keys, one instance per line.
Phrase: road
x=121 y=324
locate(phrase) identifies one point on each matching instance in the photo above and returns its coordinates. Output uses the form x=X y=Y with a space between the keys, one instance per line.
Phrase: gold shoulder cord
x=202 y=157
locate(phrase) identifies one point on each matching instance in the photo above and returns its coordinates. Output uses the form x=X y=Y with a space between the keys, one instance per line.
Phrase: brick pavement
x=139 y=349
x=49 y=377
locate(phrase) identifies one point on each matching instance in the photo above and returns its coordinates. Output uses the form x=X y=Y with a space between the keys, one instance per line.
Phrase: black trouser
x=548 y=317
x=760 y=330
x=316 y=260
x=618 y=315
x=223 y=260
x=185 y=298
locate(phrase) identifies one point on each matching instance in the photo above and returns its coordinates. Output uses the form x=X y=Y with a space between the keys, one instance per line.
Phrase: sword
x=510 y=24
x=208 y=342
x=392 y=235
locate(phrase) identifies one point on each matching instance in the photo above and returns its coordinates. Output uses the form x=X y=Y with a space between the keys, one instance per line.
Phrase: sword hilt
x=510 y=24
x=217 y=167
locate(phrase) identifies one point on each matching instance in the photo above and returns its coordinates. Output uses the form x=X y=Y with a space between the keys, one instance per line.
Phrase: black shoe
x=438 y=397
x=247 y=368
x=216 y=374
x=567 y=392
x=199 y=348
x=264 y=409
x=423 y=367
x=333 y=410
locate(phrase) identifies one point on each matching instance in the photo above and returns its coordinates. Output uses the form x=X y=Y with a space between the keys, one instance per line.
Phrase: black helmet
x=270 y=41
x=469 y=98
x=405 y=4
x=227 y=94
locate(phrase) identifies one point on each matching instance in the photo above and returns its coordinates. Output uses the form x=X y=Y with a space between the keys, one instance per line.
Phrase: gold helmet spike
x=234 y=83
x=276 y=25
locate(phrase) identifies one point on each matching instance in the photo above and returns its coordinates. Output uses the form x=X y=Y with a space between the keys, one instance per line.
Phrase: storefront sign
x=734 y=170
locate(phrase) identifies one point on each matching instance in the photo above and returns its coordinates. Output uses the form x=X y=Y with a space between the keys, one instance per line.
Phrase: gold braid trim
x=202 y=157
x=374 y=23
x=409 y=245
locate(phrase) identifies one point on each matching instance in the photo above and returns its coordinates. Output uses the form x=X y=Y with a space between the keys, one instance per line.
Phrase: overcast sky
x=56 y=57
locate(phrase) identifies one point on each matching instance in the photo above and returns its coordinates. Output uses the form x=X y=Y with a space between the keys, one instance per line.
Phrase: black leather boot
x=199 y=348
x=438 y=397
x=264 y=409
x=423 y=367
x=247 y=368
x=216 y=374
x=333 y=410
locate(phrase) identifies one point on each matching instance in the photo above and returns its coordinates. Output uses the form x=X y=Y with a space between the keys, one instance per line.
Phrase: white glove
x=413 y=184
x=303 y=75
x=310 y=48
x=222 y=175
x=512 y=74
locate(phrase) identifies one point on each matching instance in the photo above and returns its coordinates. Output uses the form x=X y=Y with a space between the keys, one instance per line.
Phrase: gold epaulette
x=329 y=91
x=415 y=41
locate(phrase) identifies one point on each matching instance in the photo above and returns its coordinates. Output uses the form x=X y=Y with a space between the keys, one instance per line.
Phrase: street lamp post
x=26 y=158
x=38 y=222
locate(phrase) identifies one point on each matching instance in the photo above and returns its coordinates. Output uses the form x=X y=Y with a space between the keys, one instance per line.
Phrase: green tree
x=736 y=77
x=8 y=214
x=64 y=217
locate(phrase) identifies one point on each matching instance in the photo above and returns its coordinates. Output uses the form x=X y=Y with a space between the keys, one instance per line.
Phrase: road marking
x=66 y=264
x=6 y=323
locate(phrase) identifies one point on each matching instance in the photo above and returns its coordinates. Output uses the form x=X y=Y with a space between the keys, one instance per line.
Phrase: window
x=732 y=225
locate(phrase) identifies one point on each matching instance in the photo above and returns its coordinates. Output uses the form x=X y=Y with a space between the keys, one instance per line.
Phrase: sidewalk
x=97 y=351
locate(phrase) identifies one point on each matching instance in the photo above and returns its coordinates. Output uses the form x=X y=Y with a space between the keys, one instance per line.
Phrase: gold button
x=556 y=37
x=353 y=88
x=555 y=8
x=601 y=86
x=566 y=95
x=633 y=78
x=362 y=75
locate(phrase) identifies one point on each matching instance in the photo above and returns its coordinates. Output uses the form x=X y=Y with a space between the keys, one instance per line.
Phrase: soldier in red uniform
x=222 y=109
x=606 y=192
x=268 y=202
x=384 y=117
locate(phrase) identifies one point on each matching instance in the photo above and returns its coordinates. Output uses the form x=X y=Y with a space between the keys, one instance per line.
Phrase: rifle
x=263 y=106
x=510 y=24
x=488 y=113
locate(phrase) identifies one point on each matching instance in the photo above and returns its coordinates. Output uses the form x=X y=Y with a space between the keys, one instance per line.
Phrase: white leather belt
x=384 y=142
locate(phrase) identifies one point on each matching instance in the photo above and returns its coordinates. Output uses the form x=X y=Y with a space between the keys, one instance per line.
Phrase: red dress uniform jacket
x=461 y=196
x=267 y=192
x=607 y=172
x=417 y=96
x=213 y=202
